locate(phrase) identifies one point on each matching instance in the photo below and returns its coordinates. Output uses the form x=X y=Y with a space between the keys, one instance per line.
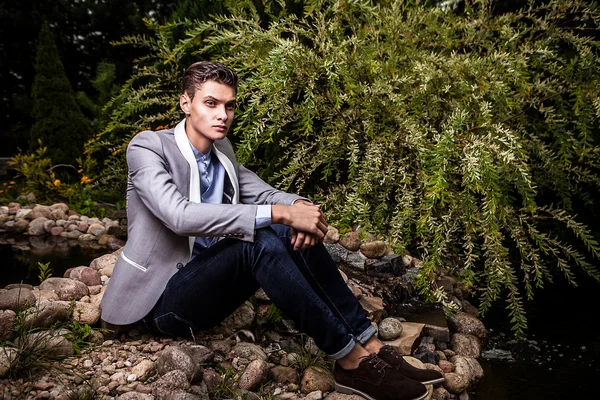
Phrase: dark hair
x=203 y=71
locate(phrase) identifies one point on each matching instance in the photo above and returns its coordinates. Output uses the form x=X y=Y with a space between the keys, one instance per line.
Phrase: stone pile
x=57 y=220
x=244 y=356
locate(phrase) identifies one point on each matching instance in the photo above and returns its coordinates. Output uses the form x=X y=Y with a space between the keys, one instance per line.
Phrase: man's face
x=209 y=115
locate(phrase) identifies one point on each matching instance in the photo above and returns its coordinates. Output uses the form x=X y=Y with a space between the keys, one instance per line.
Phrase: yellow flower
x=79 y=170
x=85 y=179
x=1 y=191
x=56 y=182
x=11 y=182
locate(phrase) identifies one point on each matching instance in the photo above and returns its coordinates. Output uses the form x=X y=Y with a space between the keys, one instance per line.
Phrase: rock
x=82 y=226
x=317 y=378
x=467 y=373
x=74 y=234
x=96 y=229
x=373 y=306
x=212 y=379
x=104 y=261
x=201 y=354
x=446 y=366
x=176 y=358
x=341 y=396
x=242 y=317
x=45 y=295
x=86 y=237
x=350 y=241
x=36 y=227
x=466 y=345
x=48 y=225
x=87 y=275
x=66 y=289
x=465 y=323
x=255 y=374
x=390 y=329
x=7 y=357
x=18 y=285
x=86 y=313
x=387 y=266
x=8 y=323
x=332 y=236
x=53 y=343
x=135 y=396
x=56 y=231
x=376 y=249
x=407 y=342
x=40 y=211
x=59 y=207
x=24 y=213
x=17 y=299
x=355 y=261
x=316 y=395
x=21 y=226
x=172 y=382
x=248 y=351
x=440 y=393
x=284 y=375
x=46 y=313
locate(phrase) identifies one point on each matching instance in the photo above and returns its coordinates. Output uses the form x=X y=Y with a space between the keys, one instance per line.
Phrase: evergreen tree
x=58 y=121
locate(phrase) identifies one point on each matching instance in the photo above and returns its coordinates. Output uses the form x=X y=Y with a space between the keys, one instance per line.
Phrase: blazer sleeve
x=254 y=190
x=150 y=177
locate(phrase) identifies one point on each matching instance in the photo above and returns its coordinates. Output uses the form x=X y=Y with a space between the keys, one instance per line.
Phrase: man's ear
x=185 y=103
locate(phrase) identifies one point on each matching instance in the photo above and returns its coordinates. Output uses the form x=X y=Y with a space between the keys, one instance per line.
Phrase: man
x=205 y=233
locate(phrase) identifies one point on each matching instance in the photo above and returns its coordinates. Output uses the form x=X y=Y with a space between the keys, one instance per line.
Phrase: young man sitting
x=205 y=233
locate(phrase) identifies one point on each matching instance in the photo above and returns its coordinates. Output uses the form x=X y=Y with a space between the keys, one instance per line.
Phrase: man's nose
x=222 y=114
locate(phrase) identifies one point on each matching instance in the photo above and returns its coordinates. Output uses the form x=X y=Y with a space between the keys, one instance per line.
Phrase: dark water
x=560 y=358
x=19 y=257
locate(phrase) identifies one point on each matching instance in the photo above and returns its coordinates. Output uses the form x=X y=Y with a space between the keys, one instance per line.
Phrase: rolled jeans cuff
x=362 y=339
x=366 y=335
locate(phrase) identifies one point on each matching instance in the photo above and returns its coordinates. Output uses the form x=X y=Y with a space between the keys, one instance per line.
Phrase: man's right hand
x=302 y=216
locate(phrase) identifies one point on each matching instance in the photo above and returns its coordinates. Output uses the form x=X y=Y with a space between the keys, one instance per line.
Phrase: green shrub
x=468 y=136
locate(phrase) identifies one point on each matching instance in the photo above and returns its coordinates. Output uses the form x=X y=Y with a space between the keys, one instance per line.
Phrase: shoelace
x=377 y=362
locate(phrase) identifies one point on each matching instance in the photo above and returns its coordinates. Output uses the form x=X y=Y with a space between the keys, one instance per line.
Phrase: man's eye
x=210 y=103
x=230 y=107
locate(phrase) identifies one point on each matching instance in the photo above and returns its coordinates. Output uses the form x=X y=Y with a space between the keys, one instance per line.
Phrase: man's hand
x=307 y=221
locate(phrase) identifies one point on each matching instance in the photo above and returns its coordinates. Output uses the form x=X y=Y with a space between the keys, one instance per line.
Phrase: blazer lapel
x=184 y=146
x=228 y=165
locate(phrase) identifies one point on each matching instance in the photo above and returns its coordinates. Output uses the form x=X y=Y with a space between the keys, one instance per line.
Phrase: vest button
x=179 y=265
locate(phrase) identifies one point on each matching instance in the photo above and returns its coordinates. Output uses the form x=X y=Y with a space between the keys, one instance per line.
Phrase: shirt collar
x=199 y=155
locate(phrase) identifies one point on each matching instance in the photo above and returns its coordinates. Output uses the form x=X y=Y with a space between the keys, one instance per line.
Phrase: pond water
x=560 y=358
x=19 y=257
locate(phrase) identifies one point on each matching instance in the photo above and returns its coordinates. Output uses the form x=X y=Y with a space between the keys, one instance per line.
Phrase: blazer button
x=179 y=265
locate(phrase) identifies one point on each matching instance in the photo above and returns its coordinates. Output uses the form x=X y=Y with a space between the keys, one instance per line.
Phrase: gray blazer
x=165 y=214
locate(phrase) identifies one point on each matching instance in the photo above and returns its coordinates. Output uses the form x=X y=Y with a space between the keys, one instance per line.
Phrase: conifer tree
x=58 y=121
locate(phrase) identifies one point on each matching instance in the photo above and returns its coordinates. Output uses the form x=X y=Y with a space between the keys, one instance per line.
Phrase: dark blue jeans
x=305 y=285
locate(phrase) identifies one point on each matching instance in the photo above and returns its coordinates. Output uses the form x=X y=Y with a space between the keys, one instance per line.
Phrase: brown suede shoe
x=374 y=379
x=426 y=376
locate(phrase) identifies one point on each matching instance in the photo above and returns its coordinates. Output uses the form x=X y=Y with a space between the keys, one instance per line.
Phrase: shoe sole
x=433 y=381
x=348 y=390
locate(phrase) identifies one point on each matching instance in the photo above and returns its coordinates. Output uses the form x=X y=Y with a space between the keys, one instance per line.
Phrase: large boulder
x=36 y=226
x=16 y=299
x=317 y=378
x=66 y=289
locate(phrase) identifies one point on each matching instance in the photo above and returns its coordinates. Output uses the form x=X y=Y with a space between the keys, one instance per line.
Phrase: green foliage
x=45 y=271
x=58 y=119
x=79 y=335
x=309 y=356
x=469 y=136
